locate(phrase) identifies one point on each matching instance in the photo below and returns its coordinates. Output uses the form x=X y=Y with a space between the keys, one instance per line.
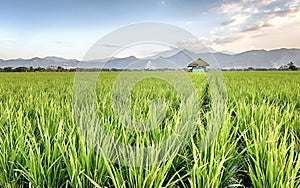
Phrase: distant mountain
x=255 y=58
x=39 y=62
x=171 y=59
x=164 y=54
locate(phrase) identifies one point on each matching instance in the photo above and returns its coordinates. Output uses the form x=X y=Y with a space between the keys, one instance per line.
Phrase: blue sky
x=68 y=28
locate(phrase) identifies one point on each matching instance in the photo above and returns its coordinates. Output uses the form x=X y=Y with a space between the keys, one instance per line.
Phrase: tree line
x=289 y=66
x=36 y=69
x=61 y=69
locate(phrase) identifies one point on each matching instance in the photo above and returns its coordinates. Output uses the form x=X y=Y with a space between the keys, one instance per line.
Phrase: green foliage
x=257 y=145
x=292 y=66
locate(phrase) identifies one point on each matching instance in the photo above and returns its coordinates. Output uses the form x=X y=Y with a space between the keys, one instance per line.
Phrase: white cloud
x=255 y=23
x=293 y=3
x=228 y=39
x=230 y=8
x=288 y=18
x=251 y=10
x=268 y=1
x=239 y=19
x=196 y=45
x=277 y=9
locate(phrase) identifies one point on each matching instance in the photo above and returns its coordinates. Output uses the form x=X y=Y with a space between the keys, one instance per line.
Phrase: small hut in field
x=198 y=66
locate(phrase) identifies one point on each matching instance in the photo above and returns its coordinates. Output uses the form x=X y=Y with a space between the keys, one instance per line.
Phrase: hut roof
x=198 y=63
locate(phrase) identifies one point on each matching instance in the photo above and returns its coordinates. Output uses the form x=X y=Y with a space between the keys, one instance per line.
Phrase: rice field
x=257 y=144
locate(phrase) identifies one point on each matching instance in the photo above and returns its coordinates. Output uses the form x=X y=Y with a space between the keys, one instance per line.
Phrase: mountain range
x=177 y=59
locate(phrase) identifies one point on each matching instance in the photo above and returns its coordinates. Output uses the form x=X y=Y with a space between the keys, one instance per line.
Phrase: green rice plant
x=258 y=144
x=216 y=165
x=266 y=115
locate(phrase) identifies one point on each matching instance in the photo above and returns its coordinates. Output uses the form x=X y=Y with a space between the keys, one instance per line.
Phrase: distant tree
x=8 y=69
x=292 y=66
x=39 y=69
x=60 y=69
x=21 y=69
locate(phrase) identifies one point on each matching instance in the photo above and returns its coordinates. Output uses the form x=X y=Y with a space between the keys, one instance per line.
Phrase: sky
x=68 y=28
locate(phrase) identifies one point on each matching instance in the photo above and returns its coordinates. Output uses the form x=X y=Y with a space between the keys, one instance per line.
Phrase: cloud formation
x=252 y=19
x=256 y=27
